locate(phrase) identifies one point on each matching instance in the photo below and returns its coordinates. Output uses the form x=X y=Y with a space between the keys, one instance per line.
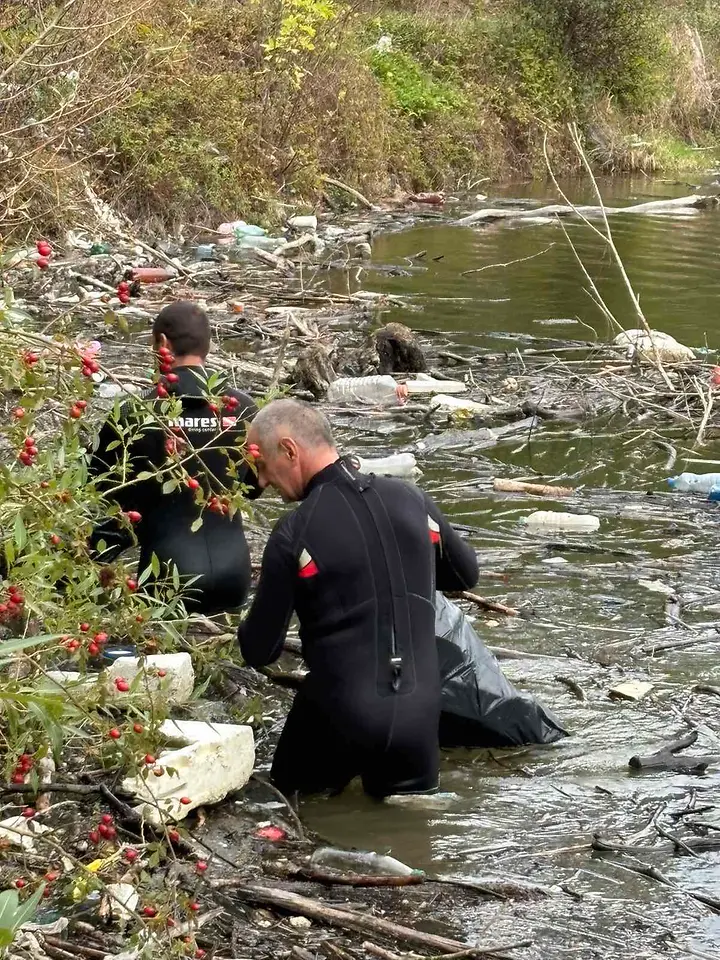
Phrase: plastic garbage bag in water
x=480 y=708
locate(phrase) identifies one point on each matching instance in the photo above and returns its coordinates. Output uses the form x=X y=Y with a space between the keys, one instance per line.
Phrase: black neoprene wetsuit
x=359 y=561
x=216 y=554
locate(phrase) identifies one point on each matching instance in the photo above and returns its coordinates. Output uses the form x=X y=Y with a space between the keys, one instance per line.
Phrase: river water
x=531 y=813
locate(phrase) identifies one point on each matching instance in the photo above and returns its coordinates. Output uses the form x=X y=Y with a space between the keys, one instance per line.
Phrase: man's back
x=358 y=561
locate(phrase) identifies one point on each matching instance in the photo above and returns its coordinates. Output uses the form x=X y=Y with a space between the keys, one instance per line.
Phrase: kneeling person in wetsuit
x=359 y=561
x=211 y=436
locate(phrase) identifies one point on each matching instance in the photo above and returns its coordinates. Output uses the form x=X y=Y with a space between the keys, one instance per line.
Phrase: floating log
x=519 y=486
x=679 y=205
x=665 y=759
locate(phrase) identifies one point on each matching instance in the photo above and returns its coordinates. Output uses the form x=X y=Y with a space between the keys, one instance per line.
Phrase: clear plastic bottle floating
x=694 y=482
x=552 y=520
x=361 y=861
x=373 y=390
x=396 y=465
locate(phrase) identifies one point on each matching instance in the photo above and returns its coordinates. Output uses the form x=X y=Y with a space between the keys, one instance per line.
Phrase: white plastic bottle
x=396 y=465
x=374 y=390
x=360 y=861
x=552 y=520
x=694 y=482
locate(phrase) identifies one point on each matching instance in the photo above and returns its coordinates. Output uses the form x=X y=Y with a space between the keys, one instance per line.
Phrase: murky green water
x=532 y=812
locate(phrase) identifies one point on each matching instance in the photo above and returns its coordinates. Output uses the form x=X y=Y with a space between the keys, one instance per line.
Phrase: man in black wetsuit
x=216 y=554
x=359 y=561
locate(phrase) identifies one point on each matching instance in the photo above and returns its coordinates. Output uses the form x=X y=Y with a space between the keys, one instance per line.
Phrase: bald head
x=294 y=442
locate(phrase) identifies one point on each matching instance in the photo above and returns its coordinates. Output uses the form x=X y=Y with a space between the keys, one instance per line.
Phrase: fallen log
x=665 y=758
x=690 y=844
x=485 y=604
x=348 y=920
x=520 y=486
x=679 y=205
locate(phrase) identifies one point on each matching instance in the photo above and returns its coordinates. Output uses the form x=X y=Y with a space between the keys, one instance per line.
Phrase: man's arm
x=262 y=632
x=111 y=532
x=456 y=563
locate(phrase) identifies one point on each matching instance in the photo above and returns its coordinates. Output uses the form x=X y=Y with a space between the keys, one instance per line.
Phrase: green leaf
x=19 y=532
x=176 y=577
x=196 y=524
x=22 y=643
x=145 y=475
x=170 y=485
x=155 y=565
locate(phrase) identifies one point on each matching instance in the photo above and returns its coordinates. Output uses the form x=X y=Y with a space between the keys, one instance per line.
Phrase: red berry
x=162 y=673
x=18 y=413
x=123 y=286
x=81 y=403
x=75 y=412
x=213 y=407
x=55 y=540
x=131 y=855
x=124 y=296
x=84 y=627
x=33 y=451
x=18 y=778
x=149 y=759
x=111 y=833
x=26 y=458
x=26 y=759
x=170 y=922
x=150 y=911
x=86 y=370
x=185 y=800
x=44 y=485
x=122 y=685
x=199 y=953
x=43 y=248
x=172 y=377
x=138 y=728
x=20 y=883
x=106 y=818
x=161 y=391
x=29 y=442
x=201 y=866
x=94 y=837
x=173 y=836
x=103 y=830
x=131 y=584
x=165 y=352
x=43 y=263
x=93 y=649
x=133 y=516
x=100 y=638
x=30 y=358
x=193 y=483
x=28 y=813
x=114 y=733
x=51 y=876
x=139 y=618
x=194 y=906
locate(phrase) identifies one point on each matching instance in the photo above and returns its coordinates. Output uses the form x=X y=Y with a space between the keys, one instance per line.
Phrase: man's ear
x=289 y=448
x=162 y=341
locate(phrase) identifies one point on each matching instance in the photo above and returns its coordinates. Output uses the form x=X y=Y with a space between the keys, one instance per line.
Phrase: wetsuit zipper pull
x=396 y=664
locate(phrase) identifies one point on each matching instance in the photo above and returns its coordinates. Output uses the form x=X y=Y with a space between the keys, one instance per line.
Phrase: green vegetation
x=191 y=109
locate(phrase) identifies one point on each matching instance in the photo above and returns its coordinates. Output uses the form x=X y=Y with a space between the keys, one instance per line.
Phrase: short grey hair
x=307 y=426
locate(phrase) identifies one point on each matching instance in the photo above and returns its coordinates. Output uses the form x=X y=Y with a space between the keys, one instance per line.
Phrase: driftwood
x=519 y=486
x=485 y=604
x=349 y=920
x=679 y=205
x=665 y=759
x=314 y=370
x=690 y=844
x=645 y=870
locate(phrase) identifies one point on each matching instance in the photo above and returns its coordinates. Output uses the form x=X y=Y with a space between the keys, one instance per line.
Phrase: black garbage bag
x=480 y=708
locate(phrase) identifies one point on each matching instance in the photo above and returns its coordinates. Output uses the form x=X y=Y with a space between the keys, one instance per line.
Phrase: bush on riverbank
x=193 y=111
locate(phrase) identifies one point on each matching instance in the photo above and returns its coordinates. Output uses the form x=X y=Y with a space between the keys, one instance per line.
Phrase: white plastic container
x=374 y=390
x=552 y=520
x=694 y=482
x=396 y=465
x=302 y=223
x=425 y=384
x=459 y=407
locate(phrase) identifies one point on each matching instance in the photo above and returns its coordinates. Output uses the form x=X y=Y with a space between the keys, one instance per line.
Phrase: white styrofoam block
x=19 y=832
x=68 y=679
x=177 y=684
x=219 y=759
x=124 y=899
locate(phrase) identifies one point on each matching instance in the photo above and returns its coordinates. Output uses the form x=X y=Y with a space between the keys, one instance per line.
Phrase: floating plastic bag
x=480 y=708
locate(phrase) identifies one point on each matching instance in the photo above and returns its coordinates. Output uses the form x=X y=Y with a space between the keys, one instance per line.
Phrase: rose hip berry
x=122 y=685
x=28 y=813
x=131 y=584
x=106 y=818
x=114 y=733
x=201 y=866
x=138 y=728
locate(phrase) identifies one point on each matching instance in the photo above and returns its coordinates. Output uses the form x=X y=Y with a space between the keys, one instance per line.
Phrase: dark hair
x=186 y=326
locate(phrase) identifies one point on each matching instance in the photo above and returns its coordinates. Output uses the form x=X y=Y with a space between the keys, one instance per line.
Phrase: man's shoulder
x=246 y=405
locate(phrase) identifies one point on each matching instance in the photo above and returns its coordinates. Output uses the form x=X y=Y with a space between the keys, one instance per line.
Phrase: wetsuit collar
x=192 y=381
x=326 y=475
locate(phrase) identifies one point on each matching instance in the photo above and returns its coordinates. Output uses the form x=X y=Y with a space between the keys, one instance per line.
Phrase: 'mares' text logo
x=206 y=424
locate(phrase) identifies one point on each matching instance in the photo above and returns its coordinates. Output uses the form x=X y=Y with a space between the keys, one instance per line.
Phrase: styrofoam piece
x=308 y=222
x=570 y=522
x=20 y=832
x=124 y=900
x=424 y=384
x=667 y=348
x=219 y=759
x=177 y=684
x=70 y=679
x=630 y=690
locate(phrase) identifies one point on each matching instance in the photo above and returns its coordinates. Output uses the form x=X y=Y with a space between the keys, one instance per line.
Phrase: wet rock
x=398 y=350
x=314 y=370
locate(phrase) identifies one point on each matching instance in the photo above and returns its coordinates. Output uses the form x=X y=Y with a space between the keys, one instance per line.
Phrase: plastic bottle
x=551 y=520
x=153 y=274
x=694 y=482
x=240 y=229
x=361 y=861
x=375 y=390
x=205 y=251
x=714 y=493
x=426 y=384
x=396 y=465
